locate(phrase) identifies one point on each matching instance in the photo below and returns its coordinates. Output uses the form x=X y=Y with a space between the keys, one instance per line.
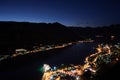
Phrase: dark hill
x=96 y=33
x=24 y=35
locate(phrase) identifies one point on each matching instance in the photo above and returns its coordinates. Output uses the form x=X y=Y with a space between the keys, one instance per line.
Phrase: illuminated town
x=21 y=52
x=59 y=39
x=106 y=54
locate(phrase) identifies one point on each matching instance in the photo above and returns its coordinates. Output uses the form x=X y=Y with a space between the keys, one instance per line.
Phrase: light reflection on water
x=72 y=55
x=31 y=69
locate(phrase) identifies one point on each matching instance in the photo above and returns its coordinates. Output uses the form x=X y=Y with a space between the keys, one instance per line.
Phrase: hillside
x=24 y=35
x=15 y=35
x=103 y=33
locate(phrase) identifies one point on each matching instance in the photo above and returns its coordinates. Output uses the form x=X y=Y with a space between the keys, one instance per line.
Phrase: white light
x=51 y=77
x=92 y=70
x=86 y=70
x=54 y=68
x=46 y=67
x=77 y=78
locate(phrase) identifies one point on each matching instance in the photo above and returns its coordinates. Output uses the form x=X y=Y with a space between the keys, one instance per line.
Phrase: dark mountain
x=99 y=33
x=24 y=35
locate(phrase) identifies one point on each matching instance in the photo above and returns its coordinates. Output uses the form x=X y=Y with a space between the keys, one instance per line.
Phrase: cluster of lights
x=106 y=54
x=40 y=48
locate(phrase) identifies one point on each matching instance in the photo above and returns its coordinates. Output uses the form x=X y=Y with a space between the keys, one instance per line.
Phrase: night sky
x=67 y=12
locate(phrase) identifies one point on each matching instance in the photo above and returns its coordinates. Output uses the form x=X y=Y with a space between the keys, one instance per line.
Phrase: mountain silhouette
x=25 y=35
x=15 y=35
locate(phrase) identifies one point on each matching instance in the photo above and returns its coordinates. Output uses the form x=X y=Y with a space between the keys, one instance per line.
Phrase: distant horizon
x=61 y=23
x=68 y=12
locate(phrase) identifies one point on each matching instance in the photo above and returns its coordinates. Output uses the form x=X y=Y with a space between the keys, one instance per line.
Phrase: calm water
x=28 y=68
